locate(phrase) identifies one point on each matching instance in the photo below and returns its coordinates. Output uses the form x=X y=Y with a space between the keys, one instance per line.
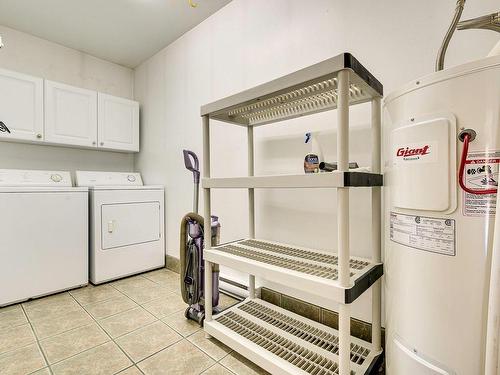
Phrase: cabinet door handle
x=93 y=143
x=4 y=128
x=39 y=136
x=102 y=143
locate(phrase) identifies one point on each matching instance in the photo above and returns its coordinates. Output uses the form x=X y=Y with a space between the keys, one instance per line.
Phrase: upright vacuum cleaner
x=191 y=252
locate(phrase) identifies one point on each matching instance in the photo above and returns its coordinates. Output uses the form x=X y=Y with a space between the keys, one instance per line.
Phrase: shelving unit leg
x=207 y=223
x=251 y=204
x=376 y=224
x=343 y=220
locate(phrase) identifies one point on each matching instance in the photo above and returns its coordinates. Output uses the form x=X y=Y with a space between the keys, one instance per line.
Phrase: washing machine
x=43 y=234
x=126 y=224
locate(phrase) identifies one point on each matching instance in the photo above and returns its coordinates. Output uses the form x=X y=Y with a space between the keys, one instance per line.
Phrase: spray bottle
x=312 y=160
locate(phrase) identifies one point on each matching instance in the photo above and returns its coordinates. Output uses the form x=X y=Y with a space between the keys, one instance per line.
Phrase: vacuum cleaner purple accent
x=191 y=251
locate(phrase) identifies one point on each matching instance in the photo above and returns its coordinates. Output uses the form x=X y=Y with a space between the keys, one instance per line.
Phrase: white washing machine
x=126 y=224
x=43 y=234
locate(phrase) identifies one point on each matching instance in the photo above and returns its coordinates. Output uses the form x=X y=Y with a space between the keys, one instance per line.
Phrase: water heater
x=438 y=237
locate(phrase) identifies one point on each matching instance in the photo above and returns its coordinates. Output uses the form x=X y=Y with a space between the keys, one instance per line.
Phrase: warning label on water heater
x=481 y=173
x=423 y=233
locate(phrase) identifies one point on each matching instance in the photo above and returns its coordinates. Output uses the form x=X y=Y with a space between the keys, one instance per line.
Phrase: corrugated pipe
x=446 y=41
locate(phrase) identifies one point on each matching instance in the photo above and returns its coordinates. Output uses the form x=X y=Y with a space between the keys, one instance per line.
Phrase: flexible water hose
x=444 y=46
x=463 y=160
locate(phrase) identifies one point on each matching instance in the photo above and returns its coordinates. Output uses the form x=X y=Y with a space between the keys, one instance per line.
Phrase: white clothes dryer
x=126 y=225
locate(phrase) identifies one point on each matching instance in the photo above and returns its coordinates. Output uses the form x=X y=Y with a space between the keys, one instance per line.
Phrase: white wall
x=31 y=55
x=250 y=42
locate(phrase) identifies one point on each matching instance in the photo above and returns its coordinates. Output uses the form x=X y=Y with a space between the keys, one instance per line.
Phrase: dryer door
x=125 y=224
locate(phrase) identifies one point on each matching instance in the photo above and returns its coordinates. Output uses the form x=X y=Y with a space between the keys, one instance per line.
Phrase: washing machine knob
x=56 y=177
x=131 y=178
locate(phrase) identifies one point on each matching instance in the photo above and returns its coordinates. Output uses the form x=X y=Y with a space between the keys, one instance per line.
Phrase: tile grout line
x=178 y=331
x=186 y=338
x=165 y=348
x=136 y=329
x=134 y=364
x=158 y=351
x=69 y=330
x=71 y=356
x=218 y=363
x=112 y=340
x=74 y=355
x=206 y=352
x=36 y=339
x=170 y=291
x=96 y=321
x=109 y=316
x=148 y=301
x=128 y=368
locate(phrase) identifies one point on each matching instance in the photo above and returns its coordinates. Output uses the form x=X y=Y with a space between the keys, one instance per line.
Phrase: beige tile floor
x=130 y=326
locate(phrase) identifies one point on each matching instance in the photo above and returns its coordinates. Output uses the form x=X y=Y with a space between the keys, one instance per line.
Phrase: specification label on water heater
x=423 y=233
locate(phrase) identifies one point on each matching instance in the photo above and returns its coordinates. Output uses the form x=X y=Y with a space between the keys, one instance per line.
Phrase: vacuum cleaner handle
x=190 y=158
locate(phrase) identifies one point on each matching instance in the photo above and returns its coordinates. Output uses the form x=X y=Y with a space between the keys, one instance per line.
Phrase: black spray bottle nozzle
x=308 y=137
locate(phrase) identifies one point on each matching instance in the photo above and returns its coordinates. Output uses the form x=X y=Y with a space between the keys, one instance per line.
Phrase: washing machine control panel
x=91 y=179
x=18 y=177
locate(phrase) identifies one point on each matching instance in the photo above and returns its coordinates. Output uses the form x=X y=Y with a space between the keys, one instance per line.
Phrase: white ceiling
x=122 y=31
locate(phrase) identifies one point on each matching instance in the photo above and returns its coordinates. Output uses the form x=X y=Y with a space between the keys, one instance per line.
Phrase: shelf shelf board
x=311 y=180
x=302 y=269
x=282 y=342
x=309 y=90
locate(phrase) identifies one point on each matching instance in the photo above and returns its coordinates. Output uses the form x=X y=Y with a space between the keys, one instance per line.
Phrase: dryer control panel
x=92 y=178
x=27 y=178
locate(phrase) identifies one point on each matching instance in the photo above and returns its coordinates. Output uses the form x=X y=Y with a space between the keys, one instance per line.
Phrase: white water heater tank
x=438 y=239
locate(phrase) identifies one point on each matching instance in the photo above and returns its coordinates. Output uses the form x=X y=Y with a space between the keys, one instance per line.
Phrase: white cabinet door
x=21 y=107
x=70 y=115
x=118 y=123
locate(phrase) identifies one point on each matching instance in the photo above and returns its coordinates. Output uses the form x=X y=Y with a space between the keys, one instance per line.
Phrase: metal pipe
x=343 y=220
x=376 y=224
x=451 y=29
x=488 y=22
x=207 y=222
x=251 y=203
x=195 y=199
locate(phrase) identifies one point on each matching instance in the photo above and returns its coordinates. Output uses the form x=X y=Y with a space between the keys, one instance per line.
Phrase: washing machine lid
x=20 y=180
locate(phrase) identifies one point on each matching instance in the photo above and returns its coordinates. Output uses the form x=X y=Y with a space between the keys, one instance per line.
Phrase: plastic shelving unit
x=275 y=339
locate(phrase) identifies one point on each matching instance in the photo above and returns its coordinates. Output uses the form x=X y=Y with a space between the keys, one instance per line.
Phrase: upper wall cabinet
x=21 y=107
x=70 y=115
x=118 y=123
x=46 y=112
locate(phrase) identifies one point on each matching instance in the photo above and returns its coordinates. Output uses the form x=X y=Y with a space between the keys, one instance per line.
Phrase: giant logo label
x=413 y=153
